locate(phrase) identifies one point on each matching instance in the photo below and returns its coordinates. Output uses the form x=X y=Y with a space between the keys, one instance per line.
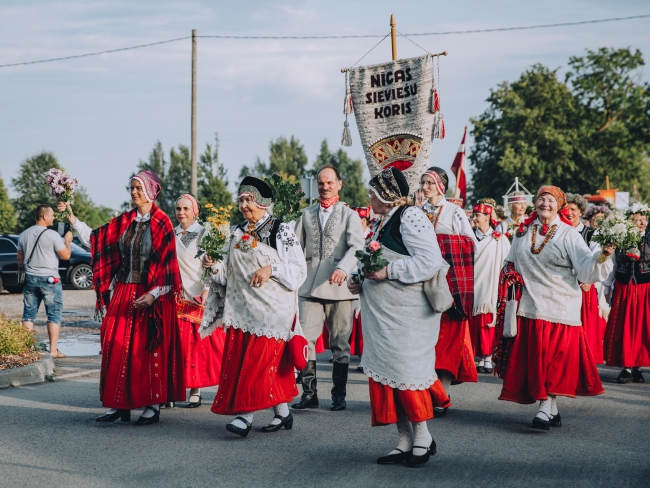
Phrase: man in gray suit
x=330 y=233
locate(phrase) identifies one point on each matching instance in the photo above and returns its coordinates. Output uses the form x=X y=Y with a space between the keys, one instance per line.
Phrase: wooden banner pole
x=393 y=35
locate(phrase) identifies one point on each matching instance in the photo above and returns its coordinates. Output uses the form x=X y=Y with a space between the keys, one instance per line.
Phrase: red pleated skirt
x=592 y=323
x=131 y=376
x=256 y=373
x=482 y=335
x=549 y=359
x=627 y=339
x=387 y=404
x=201 y=357
x=454 y=352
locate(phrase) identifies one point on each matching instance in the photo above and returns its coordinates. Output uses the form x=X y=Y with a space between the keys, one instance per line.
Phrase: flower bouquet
x=216 y=236
x=62 y=187
x=617 y=230
x=371 y=260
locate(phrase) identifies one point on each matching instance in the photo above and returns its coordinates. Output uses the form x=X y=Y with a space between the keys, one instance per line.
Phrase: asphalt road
x=48 y=437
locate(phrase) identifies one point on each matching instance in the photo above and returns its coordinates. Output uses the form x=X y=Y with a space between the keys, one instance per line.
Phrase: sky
x=100 y=115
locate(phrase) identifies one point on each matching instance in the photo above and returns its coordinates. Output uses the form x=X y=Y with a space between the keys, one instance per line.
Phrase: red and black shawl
x=163 y=265
x=458 y=251
x=503 y=345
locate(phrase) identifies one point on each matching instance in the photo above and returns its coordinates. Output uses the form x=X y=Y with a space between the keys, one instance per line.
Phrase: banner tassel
x=435 y=101
x=346 y=138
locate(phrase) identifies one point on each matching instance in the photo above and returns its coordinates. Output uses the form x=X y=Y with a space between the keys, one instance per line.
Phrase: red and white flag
x=458 y=168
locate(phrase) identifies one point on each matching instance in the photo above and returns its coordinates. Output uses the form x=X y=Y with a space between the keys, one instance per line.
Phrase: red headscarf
x=561 y=204
x=195 y=204
x=151 y=185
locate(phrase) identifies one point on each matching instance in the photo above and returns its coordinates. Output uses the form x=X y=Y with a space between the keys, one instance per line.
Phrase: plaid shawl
x=105 y=252
x=458 y=251
x=503 y=345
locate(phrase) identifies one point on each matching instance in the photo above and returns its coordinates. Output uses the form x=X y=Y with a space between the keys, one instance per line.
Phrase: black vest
x=267 y=233
x=634 y=271
x=390 y=234
x=587 y=233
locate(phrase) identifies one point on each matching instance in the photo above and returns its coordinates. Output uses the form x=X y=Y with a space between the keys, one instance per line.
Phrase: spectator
x=43 y=248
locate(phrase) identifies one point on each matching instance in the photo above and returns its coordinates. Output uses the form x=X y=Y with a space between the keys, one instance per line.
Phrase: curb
x=28 y=375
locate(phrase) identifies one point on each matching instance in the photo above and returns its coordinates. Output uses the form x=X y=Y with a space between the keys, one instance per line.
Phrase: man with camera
x=39 y=250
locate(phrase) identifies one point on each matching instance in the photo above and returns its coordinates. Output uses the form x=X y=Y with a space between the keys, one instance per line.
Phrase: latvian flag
x=458 y=168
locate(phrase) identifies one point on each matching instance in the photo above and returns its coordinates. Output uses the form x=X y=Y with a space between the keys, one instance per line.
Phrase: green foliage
x=7 y=211
x=354 y=191
x=14 y=338
x=287 y=197
x=371 y=260
x=569 y=134
x=286 y=157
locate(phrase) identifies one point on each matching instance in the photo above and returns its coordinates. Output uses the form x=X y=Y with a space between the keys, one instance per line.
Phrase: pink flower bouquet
x=370 y=258
x=62 y=187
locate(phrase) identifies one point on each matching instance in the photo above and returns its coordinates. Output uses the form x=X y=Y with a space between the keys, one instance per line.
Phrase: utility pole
x=216 y=154
x=194 y=185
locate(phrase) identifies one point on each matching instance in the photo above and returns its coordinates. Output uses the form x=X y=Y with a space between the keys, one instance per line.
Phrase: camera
x=63 y=229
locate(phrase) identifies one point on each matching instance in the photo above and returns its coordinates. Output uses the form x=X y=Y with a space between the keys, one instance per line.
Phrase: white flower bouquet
x=618 y=230
x=62 y=187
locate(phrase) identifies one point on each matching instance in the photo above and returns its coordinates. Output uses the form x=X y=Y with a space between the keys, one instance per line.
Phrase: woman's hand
x=380 y=275
x=355 y=288
x=145 y=301
x=260 y=276
x=62 y=206
x=585 y=287
x=608 y=250
x=207 y=261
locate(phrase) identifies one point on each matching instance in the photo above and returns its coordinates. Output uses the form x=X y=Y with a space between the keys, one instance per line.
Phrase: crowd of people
x=526 y=297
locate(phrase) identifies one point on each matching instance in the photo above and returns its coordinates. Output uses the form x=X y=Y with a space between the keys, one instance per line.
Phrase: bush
x=14 y=338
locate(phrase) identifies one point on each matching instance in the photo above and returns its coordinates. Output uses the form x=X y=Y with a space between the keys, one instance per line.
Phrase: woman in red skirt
x=627 y=338
x=136 y=278
x=262 y=271
x=550 y=356
x=491 y=251
x=201 y=357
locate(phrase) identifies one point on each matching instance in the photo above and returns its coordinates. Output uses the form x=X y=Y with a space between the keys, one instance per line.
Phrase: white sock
x=405 y=436
x=421 y=438
x=544 y=411
x=196 y=393
x=282 y=410
x=481 y=361
x=554 y=411
x=111 y=411
x=148 y=413
x=249 y=418
x=488 y=361
x=445 y=378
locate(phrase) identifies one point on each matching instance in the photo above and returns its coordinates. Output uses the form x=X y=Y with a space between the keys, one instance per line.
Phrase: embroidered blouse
x=449 y=222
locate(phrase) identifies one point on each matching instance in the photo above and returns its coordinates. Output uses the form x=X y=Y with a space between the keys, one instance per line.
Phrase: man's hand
x=67 y=238
x=585 y=287
x=355 y=288
x=337 y=277
x=260 y=276
x=62 y=206
x=207 y=261
x=145 y=301
x=380 y=275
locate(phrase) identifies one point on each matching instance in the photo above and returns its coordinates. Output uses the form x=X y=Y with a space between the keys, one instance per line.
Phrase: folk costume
x=400 y=326
x=491 y=250
x=257 y=371
x=627 y=337
x=509 y=226
x=141 y=356
x=457 y=241
x=201 y=357
x=550 y=355
x=330 y=233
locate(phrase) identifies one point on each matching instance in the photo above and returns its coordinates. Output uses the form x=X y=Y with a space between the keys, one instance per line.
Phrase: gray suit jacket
x=329 y=249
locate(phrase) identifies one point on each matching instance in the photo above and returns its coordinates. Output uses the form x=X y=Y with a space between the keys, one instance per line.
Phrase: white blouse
x=452 y=221
x=291 y=272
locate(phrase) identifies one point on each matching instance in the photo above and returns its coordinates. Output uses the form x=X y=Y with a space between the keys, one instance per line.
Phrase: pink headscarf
x=151 y=185
x=438 y=181
x=195 y=204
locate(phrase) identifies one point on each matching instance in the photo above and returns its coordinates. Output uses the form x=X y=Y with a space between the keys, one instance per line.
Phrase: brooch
x=245 y=244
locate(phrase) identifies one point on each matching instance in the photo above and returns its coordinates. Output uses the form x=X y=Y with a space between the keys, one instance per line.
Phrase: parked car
x=75 y=271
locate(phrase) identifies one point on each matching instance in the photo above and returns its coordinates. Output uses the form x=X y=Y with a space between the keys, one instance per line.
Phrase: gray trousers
x=337 y=316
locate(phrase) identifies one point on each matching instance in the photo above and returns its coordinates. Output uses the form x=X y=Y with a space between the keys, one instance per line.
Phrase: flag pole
x=460 y=167
x=393 y=36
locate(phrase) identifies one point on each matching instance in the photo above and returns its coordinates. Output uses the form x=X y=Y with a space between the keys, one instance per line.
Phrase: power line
x=472 y=31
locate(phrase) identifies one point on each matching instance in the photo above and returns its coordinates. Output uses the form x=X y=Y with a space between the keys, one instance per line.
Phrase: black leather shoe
x=192 y=404
x=488 y=370
x=418 y=460
x=624 y=377
x=286 y=422
x=306 y=402
x=542 y=424
x=439 y=412
x=556 y=420
x=151 y=420
x=338 y=404
x=238 y=430
x=123 y=415
x=400 y=457
x=637 y=376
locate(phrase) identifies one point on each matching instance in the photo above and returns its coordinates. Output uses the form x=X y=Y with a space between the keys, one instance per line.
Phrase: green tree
x=570 y=134
x=354 y=191
x=213 y=182
x=287 y=158
x=7 y=211
x=32 y=191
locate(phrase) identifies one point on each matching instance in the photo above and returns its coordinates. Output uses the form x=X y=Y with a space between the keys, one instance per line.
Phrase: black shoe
x=124 y=415
x=418 y=460
x=479 y=369
x=395 y=458
x=624 y=377
x=542 y=424
x=191 y=404
x=360 y=369
x=286 y=422
x=637 y=376
x=309 y=397
x=439 y=412
x=238 y=430
x=340 y=380
x=151 y=420
x=488 y=370
x=556 y=420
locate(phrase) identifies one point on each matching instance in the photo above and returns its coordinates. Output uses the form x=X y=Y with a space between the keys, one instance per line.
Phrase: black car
x=75 y=271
